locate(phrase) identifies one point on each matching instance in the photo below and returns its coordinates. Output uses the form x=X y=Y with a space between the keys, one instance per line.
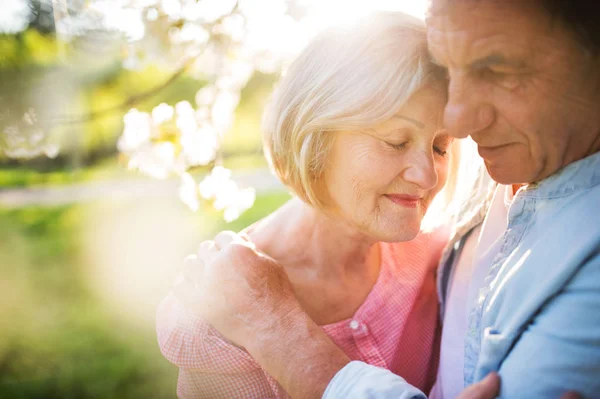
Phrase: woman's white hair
x=348 y=78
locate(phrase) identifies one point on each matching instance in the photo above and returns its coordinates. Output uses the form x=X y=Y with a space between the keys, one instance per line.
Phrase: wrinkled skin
x=520 y=85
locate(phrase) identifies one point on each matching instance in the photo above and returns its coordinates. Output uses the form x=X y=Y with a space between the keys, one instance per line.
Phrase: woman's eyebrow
x=413 y=121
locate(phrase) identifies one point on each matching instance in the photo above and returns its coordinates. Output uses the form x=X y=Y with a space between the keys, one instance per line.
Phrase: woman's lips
x=408 y=201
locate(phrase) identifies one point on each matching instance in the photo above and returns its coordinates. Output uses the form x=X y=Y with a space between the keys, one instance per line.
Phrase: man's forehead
x=483 y=31
x=473 y=13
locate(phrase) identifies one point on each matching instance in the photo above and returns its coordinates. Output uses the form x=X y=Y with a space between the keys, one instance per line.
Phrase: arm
x=209 y=366
x=560 y=350
x=248 y=298
x=297 y=353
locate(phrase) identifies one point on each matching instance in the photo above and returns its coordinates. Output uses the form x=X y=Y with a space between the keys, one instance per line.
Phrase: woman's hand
x=237 y=289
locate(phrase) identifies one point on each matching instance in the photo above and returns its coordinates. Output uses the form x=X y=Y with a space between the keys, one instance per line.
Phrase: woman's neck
x=332 y=266
x=315 y=244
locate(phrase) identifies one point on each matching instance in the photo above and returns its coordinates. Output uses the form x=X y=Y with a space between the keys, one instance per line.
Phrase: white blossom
x=223 y=109
x=188 y=192
x=226 y=194
x=162 y=113
x=199 y=146
x=211 y=183
x=155 y=160
x=206 y=95
x=51 y=150
x=136 y=131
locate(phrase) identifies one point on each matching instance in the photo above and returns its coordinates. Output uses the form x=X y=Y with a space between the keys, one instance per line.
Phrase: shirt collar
x=571 y=179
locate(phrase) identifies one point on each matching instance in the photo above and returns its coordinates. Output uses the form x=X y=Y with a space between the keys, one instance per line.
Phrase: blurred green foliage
x=32 y=71
x=57 y=338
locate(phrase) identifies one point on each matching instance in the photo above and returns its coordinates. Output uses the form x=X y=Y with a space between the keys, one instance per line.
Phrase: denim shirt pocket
x=494 y=347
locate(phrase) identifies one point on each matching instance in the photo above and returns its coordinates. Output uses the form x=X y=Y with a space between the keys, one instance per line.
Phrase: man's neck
x=516 y=187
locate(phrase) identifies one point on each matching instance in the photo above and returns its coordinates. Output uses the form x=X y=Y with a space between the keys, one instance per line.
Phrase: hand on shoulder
x=235 y=288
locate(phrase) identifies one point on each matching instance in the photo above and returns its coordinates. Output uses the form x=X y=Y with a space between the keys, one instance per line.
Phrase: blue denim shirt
x=537 y=316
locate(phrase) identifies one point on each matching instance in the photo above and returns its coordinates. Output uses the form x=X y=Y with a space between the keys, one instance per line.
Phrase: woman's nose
x=422 y=172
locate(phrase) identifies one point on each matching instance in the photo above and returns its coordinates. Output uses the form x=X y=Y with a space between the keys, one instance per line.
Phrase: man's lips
x=487 y=152
x=408 y=201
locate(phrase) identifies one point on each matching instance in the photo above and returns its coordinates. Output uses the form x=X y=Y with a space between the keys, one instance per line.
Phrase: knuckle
x=223 y=235
x=207 y=244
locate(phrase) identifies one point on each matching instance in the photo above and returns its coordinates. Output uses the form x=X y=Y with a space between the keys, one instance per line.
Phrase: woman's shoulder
x=189 y=342
x=270 y=233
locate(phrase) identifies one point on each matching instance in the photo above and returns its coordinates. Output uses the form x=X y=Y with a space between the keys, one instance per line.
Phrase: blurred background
x=129 y=132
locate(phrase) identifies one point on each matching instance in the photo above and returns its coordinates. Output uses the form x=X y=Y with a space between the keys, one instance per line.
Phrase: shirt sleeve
x=560 y=350
x=209 y=365
x=360 y=380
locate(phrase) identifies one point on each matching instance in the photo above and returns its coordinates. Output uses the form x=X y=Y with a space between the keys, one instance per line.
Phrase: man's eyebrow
x=496 y=60
x=413 y=121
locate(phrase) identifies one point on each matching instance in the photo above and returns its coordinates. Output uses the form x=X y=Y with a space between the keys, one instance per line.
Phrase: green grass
x=60 y=337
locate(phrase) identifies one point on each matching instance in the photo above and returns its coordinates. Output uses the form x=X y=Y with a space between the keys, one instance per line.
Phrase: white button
x=354 y=324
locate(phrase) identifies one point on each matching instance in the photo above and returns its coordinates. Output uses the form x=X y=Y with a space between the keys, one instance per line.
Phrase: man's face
x=520 y=85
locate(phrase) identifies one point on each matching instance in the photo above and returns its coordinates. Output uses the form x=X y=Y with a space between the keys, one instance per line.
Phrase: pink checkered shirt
x=395 y=328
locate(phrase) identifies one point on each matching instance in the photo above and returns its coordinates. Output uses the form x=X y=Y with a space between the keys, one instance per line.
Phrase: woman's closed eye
x=396 y=146
x=439 y=151
x=441 y=144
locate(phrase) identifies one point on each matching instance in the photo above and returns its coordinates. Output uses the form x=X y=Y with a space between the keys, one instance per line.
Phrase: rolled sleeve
x=360 y=380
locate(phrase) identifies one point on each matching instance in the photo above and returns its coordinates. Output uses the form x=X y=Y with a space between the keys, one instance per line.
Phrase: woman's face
x=382 y=180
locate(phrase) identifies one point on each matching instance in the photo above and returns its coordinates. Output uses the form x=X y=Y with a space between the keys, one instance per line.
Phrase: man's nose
x=467 y=110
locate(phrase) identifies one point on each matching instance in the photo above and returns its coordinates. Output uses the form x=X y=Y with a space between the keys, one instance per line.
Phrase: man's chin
x=509 y=174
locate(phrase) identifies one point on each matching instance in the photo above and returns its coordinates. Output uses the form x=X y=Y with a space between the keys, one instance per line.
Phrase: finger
x=247 y=240
x=571 y=395
x=208 y=244
x=488 y=388
x=244 y=235
x=193 y=269
x=207 y=251
x=186 y=294
x=225 y=238
x=181 y=270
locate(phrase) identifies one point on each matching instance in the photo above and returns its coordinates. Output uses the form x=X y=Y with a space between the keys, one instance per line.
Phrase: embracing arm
x=209 y=366
x=247 y=296
x=560 y=350
x=297 y=353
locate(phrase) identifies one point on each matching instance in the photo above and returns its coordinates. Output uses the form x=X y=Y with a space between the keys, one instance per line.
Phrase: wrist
x=297 y=353
x=274 y=324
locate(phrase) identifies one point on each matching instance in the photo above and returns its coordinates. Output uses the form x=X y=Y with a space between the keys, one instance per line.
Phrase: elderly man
x=520 y=287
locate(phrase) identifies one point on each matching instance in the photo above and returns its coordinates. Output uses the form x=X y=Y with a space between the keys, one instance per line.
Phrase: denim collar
x=572 y=179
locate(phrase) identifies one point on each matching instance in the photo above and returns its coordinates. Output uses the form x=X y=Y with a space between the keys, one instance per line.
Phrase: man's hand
x=489 y=388
x=237 y=289
x=247 y=296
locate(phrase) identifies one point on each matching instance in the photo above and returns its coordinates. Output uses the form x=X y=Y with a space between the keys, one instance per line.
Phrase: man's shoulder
x=547 y=259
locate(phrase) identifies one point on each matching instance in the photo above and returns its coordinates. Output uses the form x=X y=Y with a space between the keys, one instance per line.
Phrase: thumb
x=488 y=388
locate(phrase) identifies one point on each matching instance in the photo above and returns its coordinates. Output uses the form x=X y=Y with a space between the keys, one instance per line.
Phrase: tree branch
x=66 y=120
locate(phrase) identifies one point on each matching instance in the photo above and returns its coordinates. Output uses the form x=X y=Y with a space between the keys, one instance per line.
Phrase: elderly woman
x=354 y=130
